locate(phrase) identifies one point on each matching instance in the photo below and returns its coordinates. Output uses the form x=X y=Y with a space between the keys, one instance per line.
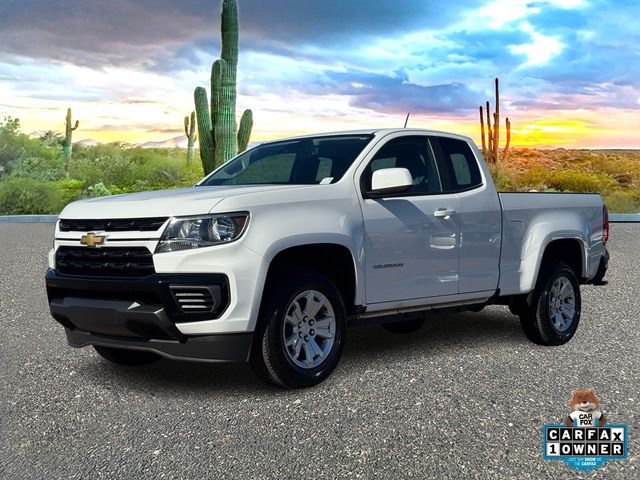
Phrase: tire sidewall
x=543 y=319
x=287 y=289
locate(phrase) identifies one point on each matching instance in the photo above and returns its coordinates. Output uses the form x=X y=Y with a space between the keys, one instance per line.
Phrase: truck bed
x=530 y=221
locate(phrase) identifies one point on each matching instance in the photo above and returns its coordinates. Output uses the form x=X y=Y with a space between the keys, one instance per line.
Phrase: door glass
x=412 y=153
x=461 y=164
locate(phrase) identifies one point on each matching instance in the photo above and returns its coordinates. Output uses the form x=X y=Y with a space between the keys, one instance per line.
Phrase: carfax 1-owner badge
x=587 y=439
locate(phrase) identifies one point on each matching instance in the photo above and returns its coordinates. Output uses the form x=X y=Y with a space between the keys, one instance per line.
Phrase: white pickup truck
x=270 y=257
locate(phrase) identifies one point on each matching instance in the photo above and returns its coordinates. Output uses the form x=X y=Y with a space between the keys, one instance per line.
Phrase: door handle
x=444 y=213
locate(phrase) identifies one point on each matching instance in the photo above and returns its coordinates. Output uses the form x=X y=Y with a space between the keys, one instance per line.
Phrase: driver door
x=411 y=239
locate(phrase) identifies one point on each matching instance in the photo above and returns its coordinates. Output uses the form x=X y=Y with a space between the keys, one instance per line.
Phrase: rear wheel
x=406 y=326
x=554 y=313
x=300 y=331
x=126 y=357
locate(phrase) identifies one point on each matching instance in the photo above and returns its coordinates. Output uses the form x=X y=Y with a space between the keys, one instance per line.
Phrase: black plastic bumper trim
x=115 y=317
x=228 y=347
x=151 y=290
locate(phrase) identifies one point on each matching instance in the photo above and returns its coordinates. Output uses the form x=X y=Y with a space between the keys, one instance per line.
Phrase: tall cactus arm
x=217 y=74
x=224 y=119
x=484 y=142
x=496 y=125
x=244 y=130
x=505 y=155
x=186 y=126
x=229 y=31
x=490 y=130
x=207 y=147
x=67 y=145
x=192 y=130
x=222 y=126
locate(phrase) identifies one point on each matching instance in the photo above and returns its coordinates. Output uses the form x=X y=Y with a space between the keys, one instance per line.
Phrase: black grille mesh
x=105 y=262
x=114 y=225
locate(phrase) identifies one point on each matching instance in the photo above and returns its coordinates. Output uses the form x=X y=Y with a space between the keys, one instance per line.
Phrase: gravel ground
x=465 y=397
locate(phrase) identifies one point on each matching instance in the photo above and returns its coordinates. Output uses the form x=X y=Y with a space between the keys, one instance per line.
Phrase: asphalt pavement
x=464 y=397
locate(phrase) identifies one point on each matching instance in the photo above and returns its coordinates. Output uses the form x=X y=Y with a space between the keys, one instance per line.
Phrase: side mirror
x=388 y=181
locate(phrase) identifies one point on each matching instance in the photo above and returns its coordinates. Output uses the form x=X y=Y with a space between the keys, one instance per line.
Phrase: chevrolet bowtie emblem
x=93 y=240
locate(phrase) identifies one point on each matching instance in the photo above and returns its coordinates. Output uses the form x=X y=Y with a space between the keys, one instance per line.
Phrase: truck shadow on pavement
x=491 y=328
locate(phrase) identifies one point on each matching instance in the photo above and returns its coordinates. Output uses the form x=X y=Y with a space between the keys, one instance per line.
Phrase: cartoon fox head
x=584 y=400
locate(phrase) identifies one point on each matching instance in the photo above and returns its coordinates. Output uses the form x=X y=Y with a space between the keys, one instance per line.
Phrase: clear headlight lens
x=205 y=231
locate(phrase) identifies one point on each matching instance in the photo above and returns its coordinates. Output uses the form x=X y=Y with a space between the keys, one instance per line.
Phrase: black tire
x=537 y=321
x=127 y=357
x=269 y=357
x=406 y=326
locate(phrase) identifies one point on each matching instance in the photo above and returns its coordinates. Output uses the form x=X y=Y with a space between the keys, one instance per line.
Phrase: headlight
x=197 y=232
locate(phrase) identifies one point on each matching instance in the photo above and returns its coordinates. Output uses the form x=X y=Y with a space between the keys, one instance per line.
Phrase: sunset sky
x=570 y=69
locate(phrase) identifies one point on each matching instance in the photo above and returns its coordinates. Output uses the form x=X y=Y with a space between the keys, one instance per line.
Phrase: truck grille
x=193 y=299
x=105 y=262
x=114 y=225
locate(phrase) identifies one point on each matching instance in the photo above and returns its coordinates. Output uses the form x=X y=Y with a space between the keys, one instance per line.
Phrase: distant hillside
x=613 y=173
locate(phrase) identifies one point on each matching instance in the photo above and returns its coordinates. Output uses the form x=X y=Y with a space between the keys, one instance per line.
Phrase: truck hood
x=163 y=203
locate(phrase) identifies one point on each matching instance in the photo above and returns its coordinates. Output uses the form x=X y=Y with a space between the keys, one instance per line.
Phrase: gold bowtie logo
x=93 y=240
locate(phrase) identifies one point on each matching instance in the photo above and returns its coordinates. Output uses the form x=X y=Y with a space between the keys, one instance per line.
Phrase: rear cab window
x=458 y=165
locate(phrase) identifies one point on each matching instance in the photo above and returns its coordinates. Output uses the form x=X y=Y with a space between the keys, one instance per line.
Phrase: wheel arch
x=571 y=251
x=333 y=260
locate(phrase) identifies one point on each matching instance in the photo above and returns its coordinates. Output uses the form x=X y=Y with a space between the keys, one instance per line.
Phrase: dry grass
x=613 y=173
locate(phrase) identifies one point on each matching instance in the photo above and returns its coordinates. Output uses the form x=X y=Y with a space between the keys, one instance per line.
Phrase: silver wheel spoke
x=324 y=332
x=309 y=354
x=568 y=311
x=562 y=310
x=564 y=291
x=296 y=350
x=313 y=305
x=296 y=315
x=311 y=329
x=291 y=340
x=316 y=348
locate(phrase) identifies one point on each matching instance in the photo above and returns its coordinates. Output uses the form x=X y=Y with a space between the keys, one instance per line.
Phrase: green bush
x=503 y=178
x=123 y=170
x=22 y=196
x=622 y=202
x=538 y=178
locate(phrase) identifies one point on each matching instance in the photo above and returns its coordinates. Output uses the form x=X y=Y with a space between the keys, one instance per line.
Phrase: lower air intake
x=193 y=299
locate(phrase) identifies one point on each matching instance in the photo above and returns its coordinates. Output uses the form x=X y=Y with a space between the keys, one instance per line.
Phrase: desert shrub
x=123 y=170
x=29 y=196
x=564 y=180
x=623 y=201
x=99 y=190
x=46 y=164
x=70 y=190
x=502 y=177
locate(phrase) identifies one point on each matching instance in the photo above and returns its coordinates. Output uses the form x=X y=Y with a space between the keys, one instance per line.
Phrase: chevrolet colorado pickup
x=272 y=255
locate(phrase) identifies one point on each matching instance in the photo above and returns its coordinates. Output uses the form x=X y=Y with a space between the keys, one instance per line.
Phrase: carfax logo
x=586 y=440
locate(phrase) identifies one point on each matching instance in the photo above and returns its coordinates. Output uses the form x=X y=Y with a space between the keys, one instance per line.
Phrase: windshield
x=305 y=161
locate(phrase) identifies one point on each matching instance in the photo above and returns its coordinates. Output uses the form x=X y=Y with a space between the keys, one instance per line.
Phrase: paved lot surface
x=465 y=397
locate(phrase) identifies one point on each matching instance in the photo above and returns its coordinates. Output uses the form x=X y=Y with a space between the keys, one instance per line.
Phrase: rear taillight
x=605 y=213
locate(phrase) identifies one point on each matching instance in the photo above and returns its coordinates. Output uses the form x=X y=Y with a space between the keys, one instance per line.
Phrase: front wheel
x=126 y=357
x=300 y=331
x=554 y=313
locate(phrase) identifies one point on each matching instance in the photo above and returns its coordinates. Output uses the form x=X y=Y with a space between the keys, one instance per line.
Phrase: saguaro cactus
x=68 y=134
x=491 y=146
x=190 y=132
x=220 y=139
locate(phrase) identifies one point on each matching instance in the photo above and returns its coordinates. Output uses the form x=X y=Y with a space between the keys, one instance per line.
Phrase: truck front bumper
x=141 y=314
